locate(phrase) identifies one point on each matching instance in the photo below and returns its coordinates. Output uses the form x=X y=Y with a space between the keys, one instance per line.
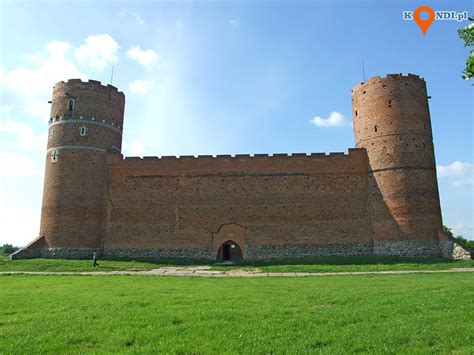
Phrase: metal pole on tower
x=363 y=70
x=112 y=75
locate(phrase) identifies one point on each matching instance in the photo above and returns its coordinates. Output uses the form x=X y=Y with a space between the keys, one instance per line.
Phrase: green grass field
x=74 y=265
x=369 y=263
x=423 y=313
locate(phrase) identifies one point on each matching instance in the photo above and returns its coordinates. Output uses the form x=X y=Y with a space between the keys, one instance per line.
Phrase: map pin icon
x=424 y=24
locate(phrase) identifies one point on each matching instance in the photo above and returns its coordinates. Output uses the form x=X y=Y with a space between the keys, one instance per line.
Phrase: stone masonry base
x=412 y=248
x=407 y=248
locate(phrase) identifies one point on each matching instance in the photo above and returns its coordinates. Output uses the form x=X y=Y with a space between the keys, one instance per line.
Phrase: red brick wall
x=180 y=203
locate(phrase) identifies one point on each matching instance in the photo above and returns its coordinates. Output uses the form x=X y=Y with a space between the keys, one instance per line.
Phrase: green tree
x=448 y=231
x=467 y=35
x=467 y=244
x=7 y=249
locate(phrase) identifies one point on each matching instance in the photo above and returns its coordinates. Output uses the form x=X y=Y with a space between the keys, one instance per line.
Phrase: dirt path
x=204 y=271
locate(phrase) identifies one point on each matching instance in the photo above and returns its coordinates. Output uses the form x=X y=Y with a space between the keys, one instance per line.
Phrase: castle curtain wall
x=282 y=206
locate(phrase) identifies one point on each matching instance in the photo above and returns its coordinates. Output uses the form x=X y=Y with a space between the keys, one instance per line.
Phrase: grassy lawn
x=72 y=265
x=423 y=313
x=369 y=263
x=359 y=263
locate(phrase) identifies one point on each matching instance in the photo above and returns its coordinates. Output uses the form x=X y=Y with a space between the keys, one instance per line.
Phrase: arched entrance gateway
x=229 y=251
x=228 y=242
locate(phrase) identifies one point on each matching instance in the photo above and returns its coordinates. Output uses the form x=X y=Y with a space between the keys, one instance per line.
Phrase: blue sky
x=225 y=77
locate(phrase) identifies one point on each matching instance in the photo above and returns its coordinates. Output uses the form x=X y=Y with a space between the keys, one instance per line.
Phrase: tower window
x=82 y=130
x=54 y=156
x=376 y=128
x=70 y=105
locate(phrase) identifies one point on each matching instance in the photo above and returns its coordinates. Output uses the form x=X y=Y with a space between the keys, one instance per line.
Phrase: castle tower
x=392 y=122
x=86 y=125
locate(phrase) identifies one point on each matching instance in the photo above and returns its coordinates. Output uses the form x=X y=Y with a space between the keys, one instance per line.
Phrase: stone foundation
x=291 y=251
x=191 y=253
x=30 y=251
x=69 y=253
x=26 y=253
x=56 y=253
x=408 y=248
x=418 y=248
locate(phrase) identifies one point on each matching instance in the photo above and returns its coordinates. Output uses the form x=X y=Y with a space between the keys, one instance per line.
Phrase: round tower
x=85 y=125
x=392 y=122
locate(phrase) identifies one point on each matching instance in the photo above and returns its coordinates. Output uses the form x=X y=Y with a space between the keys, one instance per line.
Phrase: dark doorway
x=229 y=251
x=226 y=252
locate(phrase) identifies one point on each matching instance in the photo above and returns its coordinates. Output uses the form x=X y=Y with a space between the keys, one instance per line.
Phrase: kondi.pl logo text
x=432 y=16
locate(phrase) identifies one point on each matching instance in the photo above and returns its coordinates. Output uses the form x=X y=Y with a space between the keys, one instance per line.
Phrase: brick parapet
x=354 y=162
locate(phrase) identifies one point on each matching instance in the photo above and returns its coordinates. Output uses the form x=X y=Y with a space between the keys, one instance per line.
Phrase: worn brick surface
x=183 y=202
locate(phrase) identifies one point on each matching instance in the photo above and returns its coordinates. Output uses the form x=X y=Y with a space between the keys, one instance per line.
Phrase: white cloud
x=456 y=168
x=50 y=66
x=135 y=148
x=30 y=87
x=5 y=108
x=24 y=136
x=133 y=14
x=140 y=87
x=144 y=57
x=460 y=173
x=98 y=51
x=39 y=108
x=464 y=182
x=335 y=119
x=234 y=23
x=19 y=225
x=17 y=164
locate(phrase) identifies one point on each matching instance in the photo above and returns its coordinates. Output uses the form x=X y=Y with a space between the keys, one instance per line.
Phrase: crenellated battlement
x=277 y=156
x=352 y=163
x=91 y=84
x=387 y=78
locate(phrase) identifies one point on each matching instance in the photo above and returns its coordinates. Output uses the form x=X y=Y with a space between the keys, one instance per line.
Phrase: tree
x=467 y=244
x=448 y=231
x=467 y=35
x=7 y=249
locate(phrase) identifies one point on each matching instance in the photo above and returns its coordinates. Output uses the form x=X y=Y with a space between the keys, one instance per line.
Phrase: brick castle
x=381 y=198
